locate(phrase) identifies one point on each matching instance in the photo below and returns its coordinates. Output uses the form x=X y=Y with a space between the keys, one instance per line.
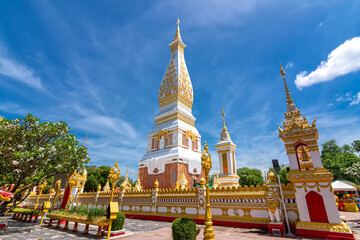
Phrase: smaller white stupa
x=227 y=161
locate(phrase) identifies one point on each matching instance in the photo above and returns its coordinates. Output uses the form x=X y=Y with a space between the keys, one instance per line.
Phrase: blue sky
x=97 y=65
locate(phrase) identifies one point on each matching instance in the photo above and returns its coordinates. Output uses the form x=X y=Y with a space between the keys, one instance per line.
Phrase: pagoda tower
x=174 y=143
x=226 y=150
x=318 y=214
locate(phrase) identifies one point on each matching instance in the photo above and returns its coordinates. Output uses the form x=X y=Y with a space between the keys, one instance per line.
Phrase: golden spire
x=223 y=115
x=138 y=186
x=85 y=139
x=224 y=134
x=177 y=34
x=127 y=174
x=291 y=106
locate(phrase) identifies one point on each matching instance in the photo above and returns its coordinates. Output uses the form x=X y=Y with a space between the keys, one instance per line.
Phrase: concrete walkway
x=143 y=230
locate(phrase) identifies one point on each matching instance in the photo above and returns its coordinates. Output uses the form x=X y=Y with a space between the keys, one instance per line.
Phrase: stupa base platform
x=229 y=179
x=276 y=229
x=324 y=230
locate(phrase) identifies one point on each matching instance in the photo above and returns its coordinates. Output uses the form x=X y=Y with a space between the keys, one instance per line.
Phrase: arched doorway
x=316 y=207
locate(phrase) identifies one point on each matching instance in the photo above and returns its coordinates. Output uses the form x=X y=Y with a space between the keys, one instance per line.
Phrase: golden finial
x=271 y=176
x=177 y=34
x=290 y=102
x=85 y=139
x=223 y=115
x=282 y=71
x=156 y=183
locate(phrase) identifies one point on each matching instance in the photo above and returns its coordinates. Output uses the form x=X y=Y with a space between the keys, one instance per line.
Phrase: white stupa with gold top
x=318 y=214
x=174 y=142
x=226 y=149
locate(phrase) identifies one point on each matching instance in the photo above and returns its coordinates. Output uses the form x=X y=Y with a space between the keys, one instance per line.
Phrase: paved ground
x=140 y=230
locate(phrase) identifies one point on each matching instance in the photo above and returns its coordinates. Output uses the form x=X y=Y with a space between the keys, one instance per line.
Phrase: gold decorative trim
x=329 y=227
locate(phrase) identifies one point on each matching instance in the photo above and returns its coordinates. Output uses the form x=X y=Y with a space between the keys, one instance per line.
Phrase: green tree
x=91 y=184
x=354 y=171
x=99 y=175
x=356 y=145
x=284 y=169
x=336 y=158
x=250 y=176
x=31 y=152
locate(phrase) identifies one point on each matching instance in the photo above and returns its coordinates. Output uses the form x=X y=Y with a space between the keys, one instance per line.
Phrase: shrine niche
x=303 y=157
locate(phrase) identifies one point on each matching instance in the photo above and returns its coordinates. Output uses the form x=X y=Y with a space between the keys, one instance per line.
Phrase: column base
x=276 y=229
x=324 y=230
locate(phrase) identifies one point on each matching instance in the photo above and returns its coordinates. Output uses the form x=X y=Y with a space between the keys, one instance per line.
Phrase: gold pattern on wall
x=176 y=84
x=340 y=228
x=190 y=134
x=168 y=87
x=164 y=133
x=317 y=185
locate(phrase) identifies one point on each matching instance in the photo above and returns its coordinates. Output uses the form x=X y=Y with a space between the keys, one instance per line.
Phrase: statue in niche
x=304 y=155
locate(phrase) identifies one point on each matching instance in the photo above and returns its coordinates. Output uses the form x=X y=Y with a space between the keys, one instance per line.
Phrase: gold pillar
x=41 y=188
x=206 y=164
x=114 y=175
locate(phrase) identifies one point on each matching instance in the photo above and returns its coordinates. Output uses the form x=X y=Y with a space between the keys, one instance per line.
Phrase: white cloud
x=356 y=99
x=349 y=97
x=342 y=60
x=289 y=65
x=19 y=72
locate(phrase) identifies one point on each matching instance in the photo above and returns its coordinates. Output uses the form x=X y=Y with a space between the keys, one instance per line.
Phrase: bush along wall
x=119 y=222
x=183 y=229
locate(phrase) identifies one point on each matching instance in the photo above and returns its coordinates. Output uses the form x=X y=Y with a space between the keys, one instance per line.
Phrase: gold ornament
x=206 y=164
x=57 y=192
x=40 y=188
x=156 y=184
x=114 y=175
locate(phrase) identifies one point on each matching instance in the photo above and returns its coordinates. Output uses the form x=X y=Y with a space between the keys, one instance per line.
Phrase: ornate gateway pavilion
x=164 y=188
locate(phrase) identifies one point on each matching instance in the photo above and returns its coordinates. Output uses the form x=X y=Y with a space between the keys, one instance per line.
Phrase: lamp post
x=206 y=164
x=114 y=175
x=41 y=188
x=276 y=167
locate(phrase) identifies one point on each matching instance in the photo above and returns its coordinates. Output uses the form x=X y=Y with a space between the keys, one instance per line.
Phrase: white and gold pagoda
x=318 y=214
x=174 y=142
x=226 y=149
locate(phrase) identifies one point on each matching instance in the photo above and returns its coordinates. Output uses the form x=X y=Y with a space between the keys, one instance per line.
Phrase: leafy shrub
x=96 y=213
x=183 y=229
x=72 y=210
x=82 y=210
x=119 y=222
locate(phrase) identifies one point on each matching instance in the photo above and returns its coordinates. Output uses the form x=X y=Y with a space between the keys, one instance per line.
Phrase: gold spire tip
x=178 y=22
x=282 y=71
x=223 y=113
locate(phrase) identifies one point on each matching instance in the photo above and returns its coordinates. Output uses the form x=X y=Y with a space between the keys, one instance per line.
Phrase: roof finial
x=85 y=139
x=290 y=102
x=223 y=115
x=177 y=34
